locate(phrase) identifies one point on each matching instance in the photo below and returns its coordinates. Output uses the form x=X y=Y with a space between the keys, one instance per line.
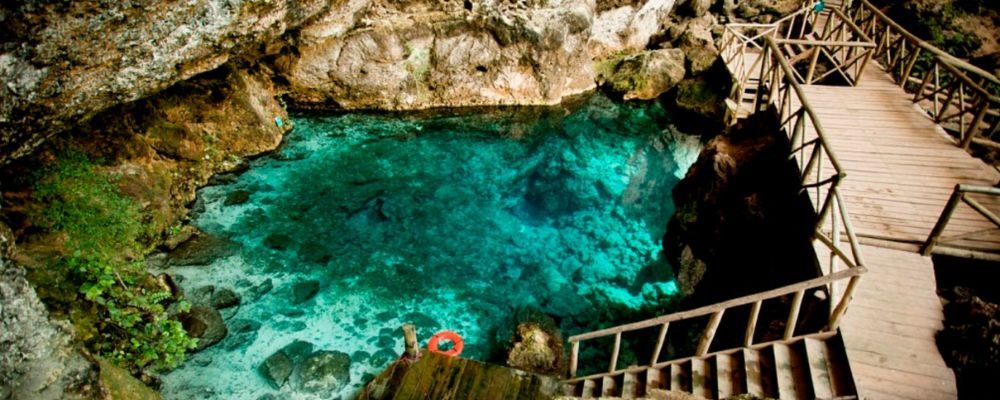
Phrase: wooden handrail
x=959 y=195
x=969 y=93
x=789 y=72
x=927 y=46
x=712 y=309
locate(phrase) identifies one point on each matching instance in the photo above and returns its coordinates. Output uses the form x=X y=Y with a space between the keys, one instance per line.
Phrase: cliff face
x=421 y=54
x=63 y=62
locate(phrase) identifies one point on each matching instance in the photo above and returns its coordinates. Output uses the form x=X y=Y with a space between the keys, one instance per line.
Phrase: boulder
x=702 y=99
x=323 y=372
x=648 y=74
x=205 y=324
x=536 y=350
x=203 y=249
x=304 y=291
x=697 y=8
x=276 y=369
x=699 y=48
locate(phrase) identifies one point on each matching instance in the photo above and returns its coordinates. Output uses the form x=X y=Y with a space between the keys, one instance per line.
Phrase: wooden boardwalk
x=901 y=169
x=889 y=329
x=901 y=166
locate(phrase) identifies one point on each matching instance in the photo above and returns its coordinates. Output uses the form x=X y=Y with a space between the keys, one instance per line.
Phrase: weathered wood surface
x=901 y=166
x=437 y=377
x=890 y=328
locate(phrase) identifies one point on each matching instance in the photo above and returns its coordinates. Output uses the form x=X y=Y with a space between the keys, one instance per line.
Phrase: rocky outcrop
x=626 y=26
x=741 y=226
x=63 y=62
x=431 y=54
x=205 y=324
x=37 y=361
x=161 y=150
x=536 y=350
x=648 y=74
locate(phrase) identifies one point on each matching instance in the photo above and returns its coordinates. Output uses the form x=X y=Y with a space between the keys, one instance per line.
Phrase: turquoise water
x=451 y=221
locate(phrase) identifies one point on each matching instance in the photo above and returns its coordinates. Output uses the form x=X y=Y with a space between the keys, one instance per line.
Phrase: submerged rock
x=648 y=74
x=276 y=369
x=225 y=298
x=205 y=324
x=278 y=241
x=237 y=197
x=536 y=350
x=323 y=372
x=304 y=291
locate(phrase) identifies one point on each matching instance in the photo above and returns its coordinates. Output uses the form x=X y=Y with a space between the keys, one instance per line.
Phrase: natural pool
x=451 y=221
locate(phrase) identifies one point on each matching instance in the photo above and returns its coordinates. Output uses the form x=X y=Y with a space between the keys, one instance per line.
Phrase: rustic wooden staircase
x=807 y=367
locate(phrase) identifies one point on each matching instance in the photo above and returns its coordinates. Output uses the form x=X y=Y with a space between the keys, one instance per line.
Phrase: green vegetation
x=101 y=229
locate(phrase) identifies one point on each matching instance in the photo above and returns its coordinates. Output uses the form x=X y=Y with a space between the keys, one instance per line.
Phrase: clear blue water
x=451 y=221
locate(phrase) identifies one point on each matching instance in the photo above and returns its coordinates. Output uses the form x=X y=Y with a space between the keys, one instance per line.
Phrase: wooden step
x=701 y=378
x=819 y=368
x=629 y=385
x=768 y=372
x=589 y=389
x=791 y=371
x=609 y=388
x=752 y=373
x=724 y=382
x=656 y=378
x=841 y=377
x=680 y=377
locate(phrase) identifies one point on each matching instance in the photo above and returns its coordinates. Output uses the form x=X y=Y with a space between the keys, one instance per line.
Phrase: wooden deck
x=889 y=329
x=901 y=166
x=901 y=169
x=436 y=377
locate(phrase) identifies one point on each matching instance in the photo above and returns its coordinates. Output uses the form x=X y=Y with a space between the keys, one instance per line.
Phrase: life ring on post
x=457 y=343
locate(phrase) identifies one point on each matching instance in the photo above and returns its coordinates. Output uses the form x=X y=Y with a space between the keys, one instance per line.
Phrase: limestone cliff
x=62 y=62
x=421 y=54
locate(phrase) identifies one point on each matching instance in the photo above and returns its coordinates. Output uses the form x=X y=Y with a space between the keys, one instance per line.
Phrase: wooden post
x=574 y=355
x=614 y=352
x=971 y=133
x=412 y=347
x=709 y=334
x=793 y=314
x=752 y=323
x=813 y=60
x=942 y=221
x=659 y=343
x=842 y=304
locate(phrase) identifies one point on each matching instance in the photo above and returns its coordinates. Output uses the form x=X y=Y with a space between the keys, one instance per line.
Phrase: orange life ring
x=456 y=348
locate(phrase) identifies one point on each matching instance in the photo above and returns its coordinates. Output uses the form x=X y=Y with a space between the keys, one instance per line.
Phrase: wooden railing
x=961 y=194
x=738 y=39
x=715 y=313
x=829 y=36
x=841 y=44
x=956 y=94
x=810 y=148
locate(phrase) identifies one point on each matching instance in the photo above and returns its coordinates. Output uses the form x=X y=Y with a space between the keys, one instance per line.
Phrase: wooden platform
x=890 y=327
x=437 y=377
x=901 y=166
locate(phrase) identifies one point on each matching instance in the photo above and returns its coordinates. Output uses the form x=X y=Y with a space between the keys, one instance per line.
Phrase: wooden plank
x=656 y=379
x=724 y=376
x=701 y=378
x=819 y=368
x=629 y=385
x=752 y=372
x=787 y=387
